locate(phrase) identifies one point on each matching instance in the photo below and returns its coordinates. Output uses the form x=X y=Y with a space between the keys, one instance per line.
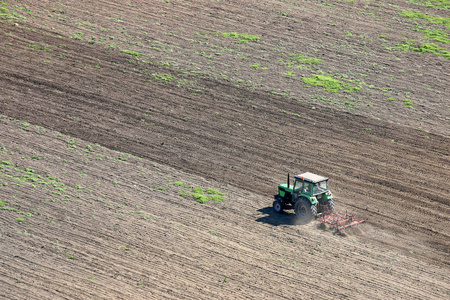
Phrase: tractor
x=309 y=196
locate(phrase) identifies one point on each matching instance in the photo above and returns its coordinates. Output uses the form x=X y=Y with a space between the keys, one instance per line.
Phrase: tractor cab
x=311 y=185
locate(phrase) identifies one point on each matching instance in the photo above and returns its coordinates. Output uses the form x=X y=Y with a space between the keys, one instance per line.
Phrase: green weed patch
x=163 y=77
x=407 y=103
x=433 y=3
x=213 y=192
x=331 y=84
x=292 y=114
x=438 y=35
x=411 y=45
x=4 y=12
x=134 y=53
x=304 y=59
x=200 y=196
x=289 y=73
x=242 y=37
x=419 y=15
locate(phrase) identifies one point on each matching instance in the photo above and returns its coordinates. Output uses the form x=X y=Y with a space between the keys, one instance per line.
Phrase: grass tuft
x=304 y=59
x=423 y=48
x=419 y=15
x=242 y=37
x=329 y=83
x=200 y=198
x=134 y=53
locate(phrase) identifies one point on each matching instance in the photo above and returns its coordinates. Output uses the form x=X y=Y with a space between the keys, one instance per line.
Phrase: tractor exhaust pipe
x=288 y=181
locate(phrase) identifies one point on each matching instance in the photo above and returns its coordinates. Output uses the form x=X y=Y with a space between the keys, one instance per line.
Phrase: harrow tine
x=350 y=225
x=339 y=221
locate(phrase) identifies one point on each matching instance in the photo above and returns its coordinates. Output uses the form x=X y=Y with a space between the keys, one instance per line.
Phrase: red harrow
x=339 y=221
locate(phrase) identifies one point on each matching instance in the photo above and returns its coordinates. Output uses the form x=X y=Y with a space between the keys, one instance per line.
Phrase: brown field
x=114 y=115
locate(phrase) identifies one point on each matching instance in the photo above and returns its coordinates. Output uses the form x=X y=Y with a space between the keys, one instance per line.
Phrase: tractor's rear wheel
x=330 y=205
x=278 y=206
x=305 y=211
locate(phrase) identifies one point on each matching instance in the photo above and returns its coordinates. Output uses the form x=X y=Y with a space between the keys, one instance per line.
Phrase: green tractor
x=309 y=196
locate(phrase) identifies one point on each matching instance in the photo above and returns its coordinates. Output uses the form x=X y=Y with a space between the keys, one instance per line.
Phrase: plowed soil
x=113 y=113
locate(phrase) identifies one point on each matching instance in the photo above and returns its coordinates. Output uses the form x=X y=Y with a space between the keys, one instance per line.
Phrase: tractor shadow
x=275 y=219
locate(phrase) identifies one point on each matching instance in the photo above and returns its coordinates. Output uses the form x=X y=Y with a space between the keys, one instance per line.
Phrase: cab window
x=306 y=188
x=298 y=186
x=320 y=187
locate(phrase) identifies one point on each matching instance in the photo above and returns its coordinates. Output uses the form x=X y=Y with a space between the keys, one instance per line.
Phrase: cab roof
x=311 y=177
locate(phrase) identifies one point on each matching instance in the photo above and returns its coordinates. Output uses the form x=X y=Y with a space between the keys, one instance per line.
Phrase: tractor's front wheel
x=305 y=211
x=278 y=206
